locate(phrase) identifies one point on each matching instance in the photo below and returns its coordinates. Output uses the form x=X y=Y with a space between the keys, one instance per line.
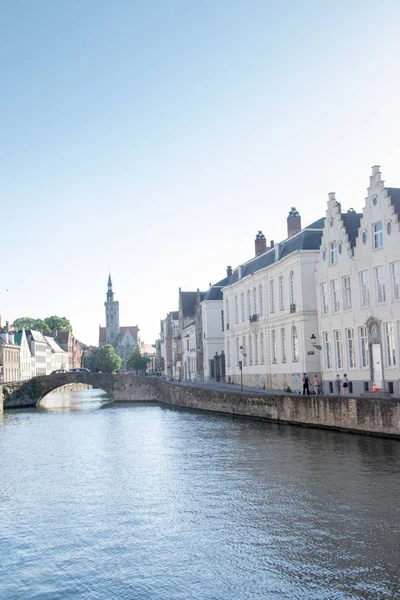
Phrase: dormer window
x=378 y=237
x=333 y=253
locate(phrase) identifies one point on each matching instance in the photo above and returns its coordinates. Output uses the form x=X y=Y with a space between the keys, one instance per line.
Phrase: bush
x=289 y=389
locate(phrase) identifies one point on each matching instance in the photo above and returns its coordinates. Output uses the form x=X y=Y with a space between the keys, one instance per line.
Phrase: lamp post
x=242 y=352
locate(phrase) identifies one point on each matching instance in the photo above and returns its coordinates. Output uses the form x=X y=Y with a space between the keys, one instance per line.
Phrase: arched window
x=250 y=351
x=254 y=301
x=255 y=349
x=260 y=299
x=248 y=304
x=238 y=357
x=228 y=353
x=244 y=357
x=292 y=288
x=262 y=348
x=295 y=344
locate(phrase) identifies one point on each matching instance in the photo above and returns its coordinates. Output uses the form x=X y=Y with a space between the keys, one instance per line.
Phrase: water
x=147 y=502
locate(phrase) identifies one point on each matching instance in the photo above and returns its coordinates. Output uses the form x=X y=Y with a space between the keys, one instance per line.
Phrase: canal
x=145 y=502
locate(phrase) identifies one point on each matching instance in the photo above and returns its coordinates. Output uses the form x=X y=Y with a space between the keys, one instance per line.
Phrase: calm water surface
x=146 y=502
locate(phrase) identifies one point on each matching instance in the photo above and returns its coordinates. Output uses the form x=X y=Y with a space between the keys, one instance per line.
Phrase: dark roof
x=351 y=221
x=222 y=282
x=317 y=224
x=214 y=293
x=188 y=300
x=175 y=315
x=307 y=239
x=394 y=194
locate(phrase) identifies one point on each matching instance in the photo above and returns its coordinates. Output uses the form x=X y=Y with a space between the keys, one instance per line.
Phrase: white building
x=57 y=358
x=358 y=281
x=25 y=356
x=38 y=348
x=189 y=354
x=213 y=325
x=270 y=311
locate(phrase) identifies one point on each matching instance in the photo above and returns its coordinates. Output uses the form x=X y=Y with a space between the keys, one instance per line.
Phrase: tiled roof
x=214 y=293
x=351 y=221
x=36 y=336
x=53 y=344
x=394 y=194
x=188 y=303
x=317 y=224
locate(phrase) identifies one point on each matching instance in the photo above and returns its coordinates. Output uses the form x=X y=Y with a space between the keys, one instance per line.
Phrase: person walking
x=337 y=385
x=345 y=385
x=306 y=385
x=316 y=384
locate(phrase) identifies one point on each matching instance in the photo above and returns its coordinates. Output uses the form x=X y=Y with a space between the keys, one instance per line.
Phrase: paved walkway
x=233 y=388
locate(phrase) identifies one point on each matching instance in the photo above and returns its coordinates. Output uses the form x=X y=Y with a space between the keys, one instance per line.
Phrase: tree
x=58 y=323
x=107 y=360
x=30 y=323
x=137 y=362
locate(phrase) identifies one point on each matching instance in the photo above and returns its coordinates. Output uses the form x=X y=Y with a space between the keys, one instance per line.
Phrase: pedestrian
x=337 y=384
x=345 y=385
x=316 y=384
x=306 y=385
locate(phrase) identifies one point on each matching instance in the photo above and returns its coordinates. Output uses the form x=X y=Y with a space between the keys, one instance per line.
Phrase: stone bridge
x=117 y=387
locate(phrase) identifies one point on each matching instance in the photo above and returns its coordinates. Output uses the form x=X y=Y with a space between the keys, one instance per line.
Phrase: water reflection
x=77 y=400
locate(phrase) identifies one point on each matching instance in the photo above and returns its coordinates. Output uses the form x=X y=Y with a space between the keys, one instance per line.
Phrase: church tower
x=112 y=315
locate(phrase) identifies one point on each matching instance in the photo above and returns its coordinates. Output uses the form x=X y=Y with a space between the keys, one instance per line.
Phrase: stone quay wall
x=369 y=415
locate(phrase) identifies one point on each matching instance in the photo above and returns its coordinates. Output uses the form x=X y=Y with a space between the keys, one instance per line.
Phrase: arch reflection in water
x=74 y=400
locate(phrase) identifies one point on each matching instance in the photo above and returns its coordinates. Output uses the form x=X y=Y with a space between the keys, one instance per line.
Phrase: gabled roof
x=53 y=344
x=36 y=336
x=63 y=336
x=133 y=330
x=351 y=222
x=214 y=293
x=394 y=194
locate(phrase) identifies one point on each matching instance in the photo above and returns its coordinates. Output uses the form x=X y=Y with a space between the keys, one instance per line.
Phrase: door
x=377 y=371
x=296 y=383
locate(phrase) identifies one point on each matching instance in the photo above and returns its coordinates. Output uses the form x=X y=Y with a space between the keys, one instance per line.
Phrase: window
x=227 y=313
x=273 y=345
x=351 y=355
x=262 y=353
x=250 y=351
x=364 y=350
x=228 y=353
x=346 y=286
x=283 y=344
x=378 y=236
x=239 y=358
x=395 y=270
x=248 y=304
x=242 y=306
x=327 y=350
x=335 y=296
x=292 y=288
x=380 y=284
x=281 y=301
x=338 y=349
x=255 y=349
x=364 y=288
x=324 y=299
x=272 y=295
x=295 y=345
x=333 y=253
x=260 y=299
x=389 y=344
x=254 y=301
x=244 y=357
x=236 y=310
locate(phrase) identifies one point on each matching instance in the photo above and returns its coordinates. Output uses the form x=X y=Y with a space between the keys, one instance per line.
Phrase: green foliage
x=89 y=362
x=30 y=323
x=289 y=389
x=137 y=362
x=59 y=323
x=107 y=360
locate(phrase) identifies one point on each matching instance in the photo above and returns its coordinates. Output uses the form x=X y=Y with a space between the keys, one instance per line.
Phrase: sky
x=153 y=139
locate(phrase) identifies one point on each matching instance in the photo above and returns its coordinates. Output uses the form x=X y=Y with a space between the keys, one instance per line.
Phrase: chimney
x=228 y=274
x=7 y=327
x=293 y=222
x=272 y=243
x=260 y=243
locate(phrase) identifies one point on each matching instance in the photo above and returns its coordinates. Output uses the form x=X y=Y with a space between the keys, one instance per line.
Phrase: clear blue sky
x=157 y=137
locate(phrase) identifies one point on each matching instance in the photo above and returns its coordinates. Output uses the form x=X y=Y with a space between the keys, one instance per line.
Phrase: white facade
x=189 y=355
x=271 y=315
x=163 y=347
x=213 y=337
x=358 y=282
x=25 y=357
x=57 y=358
x=38 y=347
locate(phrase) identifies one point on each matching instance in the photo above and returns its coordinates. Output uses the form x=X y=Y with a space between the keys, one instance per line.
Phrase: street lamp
x=242 y=352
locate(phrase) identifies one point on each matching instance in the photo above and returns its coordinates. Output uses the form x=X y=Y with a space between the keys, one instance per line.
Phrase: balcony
x=253 y=318
x=292 y=308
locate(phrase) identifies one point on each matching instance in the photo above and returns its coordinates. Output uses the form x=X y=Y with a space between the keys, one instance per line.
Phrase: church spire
x=110 y=293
